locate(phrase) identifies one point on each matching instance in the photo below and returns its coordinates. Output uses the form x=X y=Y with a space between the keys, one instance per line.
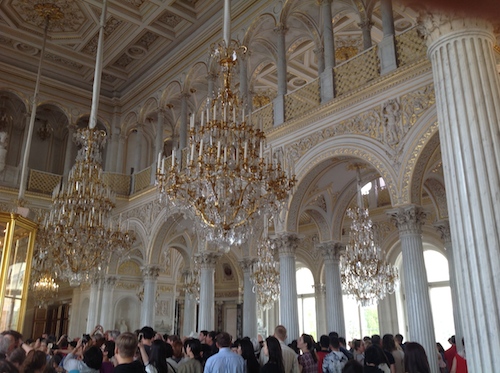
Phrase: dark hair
x=17 y=356
x=311 y=345
x=92 y=357
x=213 y=334
x=376 y=339
x=275 y=353
x=147 y=332
x=223 y=339
x=110 y=348
x=7 y=367
x=35 y=360
x=415 y=358
x=372 y=356
x=195 y=346
x=324 y=341
x=356 y=344
x=342 y=340
x=388 y=342
x=334 y=341
x=247 y=353
x=159 y=354
x=204 y=332
x=438 y=345
x=352 y=366
x=177 y=349
x=399 y=338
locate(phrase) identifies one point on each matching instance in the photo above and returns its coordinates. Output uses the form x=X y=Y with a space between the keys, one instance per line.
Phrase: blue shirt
x=225 y=361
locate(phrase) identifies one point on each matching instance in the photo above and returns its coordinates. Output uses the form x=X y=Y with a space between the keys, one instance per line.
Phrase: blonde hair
x=126 y=344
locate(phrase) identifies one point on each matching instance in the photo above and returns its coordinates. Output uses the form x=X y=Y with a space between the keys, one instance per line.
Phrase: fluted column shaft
x=159 y=134
x=327 y=76
x=69 y=150
x=138 y=148
x=206 y=319
x=184 y=120
x=289 y=314
x=319 y=292
x=189 y=322
x=279 y=101
x=443 y=226
x=366 y=29
x=121 y=154
x=107 y=302
x=92 y=318
x=76 y=317
x=468 y=106
x=335 y=321
x=113 y=154
x=249 y=300
x=409 y=220
x=150 y=278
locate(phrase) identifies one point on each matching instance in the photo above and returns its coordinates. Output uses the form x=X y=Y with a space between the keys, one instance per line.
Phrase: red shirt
x=321 y=355
x=449 y=354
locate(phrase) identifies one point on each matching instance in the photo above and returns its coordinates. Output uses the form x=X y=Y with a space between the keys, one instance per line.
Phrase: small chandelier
x=192 y=280
x=78 y=231
x=45 y=130
x=364 y=272
x=44 y=290
x=266 y=275
x=226 y=179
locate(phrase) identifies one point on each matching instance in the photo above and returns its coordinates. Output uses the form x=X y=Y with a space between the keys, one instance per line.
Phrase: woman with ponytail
x=308 y=361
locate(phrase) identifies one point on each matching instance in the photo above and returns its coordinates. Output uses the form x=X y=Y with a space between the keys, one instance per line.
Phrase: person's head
x=210 y=340
x=126 y=345
x=452 y=340
x=358 y=346
x=334 y=343
x=388 y=342
x=7 y=367
x=342 y=341
x=160 y=352
x=324 y=342
x=17 y=357
x=192 y=347
x=148 y=333
x=173 y=338
x=398 y=338
x=306 y=343
x=92 y=357
x=113 y=334
x=9 y=341
x=272 y=349
x=108 y=349
x=352 y=366
x=35 y=361
x=372 y=356
x=367 y=341
x=415 y=358
x=223 y=339
x=376 y=340
x=245 y=348
x=203 y=335
x=280 y=333
x=440 y=348
x=177 y=347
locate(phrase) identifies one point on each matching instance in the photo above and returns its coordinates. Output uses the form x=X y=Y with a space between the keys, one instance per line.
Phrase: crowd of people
x=145 y=351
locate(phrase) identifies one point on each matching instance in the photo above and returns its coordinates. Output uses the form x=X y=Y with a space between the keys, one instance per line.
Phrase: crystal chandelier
x=266 y=275
x=192 y=280
x=44 y=290
x=78 y=232
x=365 y=274
x=227 y=179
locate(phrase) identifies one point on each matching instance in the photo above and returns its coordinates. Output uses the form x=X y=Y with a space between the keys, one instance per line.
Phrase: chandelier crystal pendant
x=228 y=178
x=364 y=272
x=265 y=273
x=192 y=280
x=45 y=290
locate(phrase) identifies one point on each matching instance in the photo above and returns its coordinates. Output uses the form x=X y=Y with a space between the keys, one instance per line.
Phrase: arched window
x=359 y=321
x=306 y=302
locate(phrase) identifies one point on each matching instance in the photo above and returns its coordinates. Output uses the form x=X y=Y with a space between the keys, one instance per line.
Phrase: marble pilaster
x=289 y=314
x=94 y=305
x=366 y=29
x=206 y=317
x=108 y=285
x=319 y=293
x=335 y=321
x=409 y=220
x=150 y=275
x=249 y=300
x=387 y=47
x=138 y=148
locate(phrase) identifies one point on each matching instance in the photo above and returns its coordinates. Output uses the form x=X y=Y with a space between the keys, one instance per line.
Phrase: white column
x=468 y=106
x=138 y=148
x=443 y=227
x=366 y=29
x=108 y=285
x=289 y=314
x=409 y=220
x=206 y=317
x=121 y=154
x=189 y=324
x=184 y=120
x=159 y=134
x=387 y=47
x=69 y=150
x=75 y=316
x=279 y=101
x=93 y=317
x=334 y=303
x=113 y=152
x=150 y=277
x=327 y=76
x=249 y=300
x=320 y=291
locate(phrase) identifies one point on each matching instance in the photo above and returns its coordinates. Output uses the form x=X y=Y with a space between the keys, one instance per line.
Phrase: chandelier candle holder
x=45 y=290
x=78 y=232
x=230 y=177
x=364 y=272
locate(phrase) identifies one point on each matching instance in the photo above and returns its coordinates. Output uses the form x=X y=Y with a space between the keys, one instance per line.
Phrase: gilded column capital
x=150 y=272
x=435 y=26
x=208 y=259
x=408 y=219
x=247 y=263
x=286 y=244
x=443 y=227
x=331 y=250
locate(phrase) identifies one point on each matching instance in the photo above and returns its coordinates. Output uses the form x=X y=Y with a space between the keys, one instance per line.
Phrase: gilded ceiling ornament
x=64 y=15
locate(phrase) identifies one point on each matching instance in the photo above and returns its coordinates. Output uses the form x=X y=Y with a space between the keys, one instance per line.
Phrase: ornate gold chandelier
x=364 y=272
x=45 y=290
x=78 y=233
x=266 y=275
x=228 y=178
x=192 y=280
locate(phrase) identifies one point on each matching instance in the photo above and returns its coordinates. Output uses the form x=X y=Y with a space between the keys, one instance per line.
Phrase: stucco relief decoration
x=136 y=3
x=392 y=123
x=320 y=202
x=129 y=268
x=415 y=103
x=71 y=17
x=163 y=307
x=147 y=214
x=381 y=230
x=170 y=19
